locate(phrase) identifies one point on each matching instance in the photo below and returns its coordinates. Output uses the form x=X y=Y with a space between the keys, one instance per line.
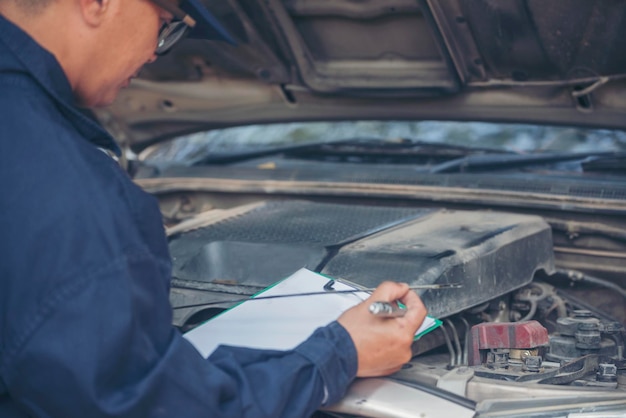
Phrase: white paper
x=282 y=323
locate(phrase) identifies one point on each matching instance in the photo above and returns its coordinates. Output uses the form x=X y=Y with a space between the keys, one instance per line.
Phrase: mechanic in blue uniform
x=85 y=320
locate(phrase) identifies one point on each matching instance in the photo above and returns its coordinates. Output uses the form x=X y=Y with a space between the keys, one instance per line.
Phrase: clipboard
x=282 y=323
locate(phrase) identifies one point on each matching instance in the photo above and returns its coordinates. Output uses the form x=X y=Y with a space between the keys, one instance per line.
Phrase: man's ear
x=94 y=11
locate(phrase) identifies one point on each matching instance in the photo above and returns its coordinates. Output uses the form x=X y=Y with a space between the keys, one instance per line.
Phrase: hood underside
x=507 y=60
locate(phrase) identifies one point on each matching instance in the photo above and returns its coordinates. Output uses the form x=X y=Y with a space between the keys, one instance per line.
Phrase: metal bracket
x=455 y=380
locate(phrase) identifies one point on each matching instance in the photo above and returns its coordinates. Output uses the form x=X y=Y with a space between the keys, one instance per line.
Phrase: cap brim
x=207 y=26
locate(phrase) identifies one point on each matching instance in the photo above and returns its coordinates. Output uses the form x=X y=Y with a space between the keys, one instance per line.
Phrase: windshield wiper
x=359 y=149
x=496 y=162
x=437 y=157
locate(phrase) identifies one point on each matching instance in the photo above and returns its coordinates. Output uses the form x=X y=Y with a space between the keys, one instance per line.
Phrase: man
x=85 y=322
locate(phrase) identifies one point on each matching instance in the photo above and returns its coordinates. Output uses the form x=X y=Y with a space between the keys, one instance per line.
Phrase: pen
x=328 y=290
x=386 y=310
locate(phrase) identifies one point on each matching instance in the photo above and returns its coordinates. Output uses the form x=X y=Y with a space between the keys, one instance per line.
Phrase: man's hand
x=383 y=345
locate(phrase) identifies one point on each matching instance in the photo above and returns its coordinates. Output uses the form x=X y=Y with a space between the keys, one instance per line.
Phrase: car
x=475 y=143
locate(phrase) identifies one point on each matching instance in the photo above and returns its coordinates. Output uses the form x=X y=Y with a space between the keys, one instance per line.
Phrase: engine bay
x=509 y=332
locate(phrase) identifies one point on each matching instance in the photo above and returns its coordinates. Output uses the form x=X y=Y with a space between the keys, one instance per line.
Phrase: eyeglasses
x=176 y=30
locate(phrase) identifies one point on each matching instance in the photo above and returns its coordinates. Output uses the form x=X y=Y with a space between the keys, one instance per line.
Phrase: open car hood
x=536 y=328
x=507 y=60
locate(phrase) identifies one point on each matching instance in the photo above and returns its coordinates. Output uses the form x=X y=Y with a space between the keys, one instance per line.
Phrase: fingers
x=393 y=291
x=416 y=311
x=390 y=292
x=368 y=331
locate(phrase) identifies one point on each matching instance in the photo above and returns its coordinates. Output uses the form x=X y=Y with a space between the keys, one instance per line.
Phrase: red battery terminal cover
x=494 y=335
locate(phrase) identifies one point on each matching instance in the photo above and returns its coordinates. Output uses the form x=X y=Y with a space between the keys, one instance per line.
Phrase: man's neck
x=46 y=27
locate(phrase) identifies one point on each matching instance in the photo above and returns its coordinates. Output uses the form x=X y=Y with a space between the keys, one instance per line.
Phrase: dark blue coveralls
x=85 y=320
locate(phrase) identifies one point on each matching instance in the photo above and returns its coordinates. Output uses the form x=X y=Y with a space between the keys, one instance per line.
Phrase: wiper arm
x=495 y=162
x=401 y=149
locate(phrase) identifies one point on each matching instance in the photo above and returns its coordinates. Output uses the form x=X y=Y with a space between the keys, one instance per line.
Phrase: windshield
x=511 y=138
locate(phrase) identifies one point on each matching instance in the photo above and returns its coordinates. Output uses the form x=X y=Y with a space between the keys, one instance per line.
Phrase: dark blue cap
x=207 y=25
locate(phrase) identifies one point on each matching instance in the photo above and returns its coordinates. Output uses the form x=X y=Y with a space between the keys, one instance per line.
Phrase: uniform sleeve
x=103 y=345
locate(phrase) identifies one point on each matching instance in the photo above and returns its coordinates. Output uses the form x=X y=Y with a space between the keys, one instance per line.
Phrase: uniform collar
x=44 y=68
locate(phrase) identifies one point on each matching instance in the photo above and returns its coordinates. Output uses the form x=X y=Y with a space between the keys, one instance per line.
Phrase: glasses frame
x=171 y=32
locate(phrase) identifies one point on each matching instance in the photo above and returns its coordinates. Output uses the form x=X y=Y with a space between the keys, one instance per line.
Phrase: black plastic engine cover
x=489 y=253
